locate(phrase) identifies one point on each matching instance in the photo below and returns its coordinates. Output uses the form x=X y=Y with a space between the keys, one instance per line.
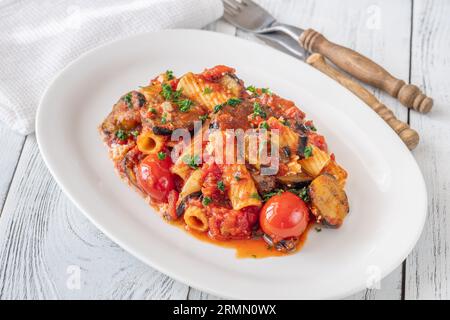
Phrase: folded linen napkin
x=40 y=37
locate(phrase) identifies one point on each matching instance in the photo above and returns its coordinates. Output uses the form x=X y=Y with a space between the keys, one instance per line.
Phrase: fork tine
x=228 y=12
x=233 y=3
x=231 y=9
x=229 y=17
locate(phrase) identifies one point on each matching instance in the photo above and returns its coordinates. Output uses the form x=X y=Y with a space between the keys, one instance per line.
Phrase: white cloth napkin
x=40 y=37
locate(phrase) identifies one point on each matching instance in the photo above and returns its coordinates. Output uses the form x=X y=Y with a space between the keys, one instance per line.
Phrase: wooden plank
x=12 y=144
x=45 y=243
x=427 y=268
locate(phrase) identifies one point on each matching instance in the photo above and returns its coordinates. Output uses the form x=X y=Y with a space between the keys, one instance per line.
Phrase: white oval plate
x=385 y=186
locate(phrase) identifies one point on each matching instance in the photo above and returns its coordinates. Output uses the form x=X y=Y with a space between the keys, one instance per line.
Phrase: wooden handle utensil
x=366 y=70
x=409 y=136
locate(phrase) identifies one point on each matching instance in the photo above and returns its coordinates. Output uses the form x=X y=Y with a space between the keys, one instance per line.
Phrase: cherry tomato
x=155 y=177
x=283 y=216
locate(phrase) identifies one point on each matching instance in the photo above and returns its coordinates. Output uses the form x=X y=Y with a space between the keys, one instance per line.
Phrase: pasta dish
x=229 y=163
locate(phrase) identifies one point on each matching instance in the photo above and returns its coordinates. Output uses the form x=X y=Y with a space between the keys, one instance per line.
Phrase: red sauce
x=250 y=248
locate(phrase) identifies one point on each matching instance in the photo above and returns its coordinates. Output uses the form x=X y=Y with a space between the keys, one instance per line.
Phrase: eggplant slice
x=328 y=200
x=295 y=180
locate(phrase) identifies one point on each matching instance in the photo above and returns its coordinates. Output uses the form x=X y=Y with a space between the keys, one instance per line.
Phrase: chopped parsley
x=206 y=201
x=217 y=108
x=285 y=122
x=318 y=229
x=255 y=196
x=258 y=111
x=221 y=186
x=302 y=193
x=169 y=74
x=185 y=105
x=269 y=195
x=191 y=161
x=312 y=128
x=169 y=94
x=164 y=119
x=234 y=101
x=152 y=110
x=161 y=155
x=252 y=89
x=121 y=135
x=128 y=101
x=237 y=176
x=207 y=90
x=135 y=133
x=308 y=152
x=264 y=125
x=267 y=91
x=167 y=91
x=203 y=117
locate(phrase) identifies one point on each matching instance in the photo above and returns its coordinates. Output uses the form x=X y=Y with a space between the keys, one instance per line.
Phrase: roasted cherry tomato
x=155 y=177
x=284 y=216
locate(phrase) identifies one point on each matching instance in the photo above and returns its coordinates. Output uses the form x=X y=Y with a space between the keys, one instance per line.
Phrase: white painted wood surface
x=43 y=237
x=428 y=266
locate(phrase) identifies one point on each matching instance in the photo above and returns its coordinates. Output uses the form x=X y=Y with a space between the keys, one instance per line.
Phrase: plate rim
x=153 y=262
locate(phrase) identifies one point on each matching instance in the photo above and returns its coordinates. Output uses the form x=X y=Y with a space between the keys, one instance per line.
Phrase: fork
x=248 y=16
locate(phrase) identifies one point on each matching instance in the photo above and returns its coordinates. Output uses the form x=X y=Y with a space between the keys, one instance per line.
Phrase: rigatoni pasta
x=226 y=161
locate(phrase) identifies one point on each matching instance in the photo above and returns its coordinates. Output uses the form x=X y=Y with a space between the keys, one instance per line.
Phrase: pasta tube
x=150 y=143
x=242 y=191
x=316 y=162
x=195 y=218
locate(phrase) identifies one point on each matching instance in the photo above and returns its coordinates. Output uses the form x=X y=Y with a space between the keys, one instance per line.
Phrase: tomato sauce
x=250 y=248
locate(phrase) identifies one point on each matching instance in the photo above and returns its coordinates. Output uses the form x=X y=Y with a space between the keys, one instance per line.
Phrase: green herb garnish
x=217 y=108
x=318 y=229
x=161 y=155
x=206 y=201
x=302 y=193
x=308 y=152
x=252 y=89
x=121 y=135
x=168 y=93
x=128 y=101
x=203 y=117
x=234 y=101
x=267 y=91
x=169 y=74
x=135 y=133
x=237 y=176
x=221 y=186
x=264 y=125
x=285 y=122
x=164 y=119
x=185 y=105
x=207 y=90
x=152 y=110
x=258 y=111
x=191 y=161
x=269 y=195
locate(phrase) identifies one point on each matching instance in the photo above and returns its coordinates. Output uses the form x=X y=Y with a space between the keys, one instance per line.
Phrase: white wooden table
x=42 y=234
